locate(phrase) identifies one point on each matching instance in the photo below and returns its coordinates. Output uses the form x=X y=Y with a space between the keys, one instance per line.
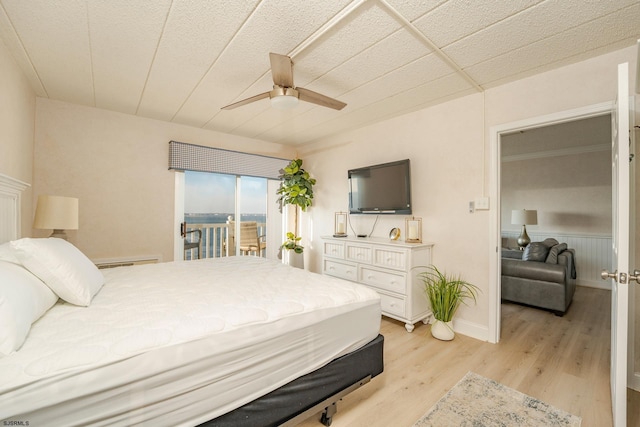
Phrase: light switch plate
x=482 y=203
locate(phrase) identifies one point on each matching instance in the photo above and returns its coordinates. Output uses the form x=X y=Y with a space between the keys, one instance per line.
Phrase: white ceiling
x=182 y=60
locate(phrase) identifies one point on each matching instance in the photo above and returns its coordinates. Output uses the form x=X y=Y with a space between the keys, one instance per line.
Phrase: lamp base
x=523 y=239
x=60 y=234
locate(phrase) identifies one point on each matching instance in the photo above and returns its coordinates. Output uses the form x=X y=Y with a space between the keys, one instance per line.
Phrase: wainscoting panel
x=593 y=254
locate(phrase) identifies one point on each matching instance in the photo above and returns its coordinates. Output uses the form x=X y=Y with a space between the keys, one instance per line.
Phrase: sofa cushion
x=550 y=242
x=556 y=250
x=536 y=251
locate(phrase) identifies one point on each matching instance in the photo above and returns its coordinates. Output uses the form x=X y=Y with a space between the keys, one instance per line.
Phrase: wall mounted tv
x=381 y=189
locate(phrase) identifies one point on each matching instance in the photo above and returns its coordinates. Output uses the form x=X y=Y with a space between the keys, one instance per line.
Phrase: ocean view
x=212 y=242
x=221 y=218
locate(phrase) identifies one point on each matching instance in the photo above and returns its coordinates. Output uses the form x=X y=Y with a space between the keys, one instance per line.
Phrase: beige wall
x=116 y=164
x=449 y=149
x=572 y=194
x=17 y=116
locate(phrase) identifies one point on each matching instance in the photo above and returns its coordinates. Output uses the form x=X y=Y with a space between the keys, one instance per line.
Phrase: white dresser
x=389 y=267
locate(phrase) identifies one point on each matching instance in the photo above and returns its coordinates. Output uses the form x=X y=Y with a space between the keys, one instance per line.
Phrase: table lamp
x=57 y=213
x=524 y=217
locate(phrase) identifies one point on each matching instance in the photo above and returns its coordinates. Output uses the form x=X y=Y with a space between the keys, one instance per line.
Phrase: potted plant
x=292 y=243
x=445 y=293
x=295 y=189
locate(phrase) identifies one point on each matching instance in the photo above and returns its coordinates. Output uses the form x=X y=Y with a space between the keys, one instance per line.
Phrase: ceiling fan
x=284 y=94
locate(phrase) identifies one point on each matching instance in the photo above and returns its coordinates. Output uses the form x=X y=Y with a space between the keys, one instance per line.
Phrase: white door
x=620 y=278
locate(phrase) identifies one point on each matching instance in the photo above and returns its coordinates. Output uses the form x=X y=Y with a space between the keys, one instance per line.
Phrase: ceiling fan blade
x=246 y=101
x=281 y=70
x=318 y=98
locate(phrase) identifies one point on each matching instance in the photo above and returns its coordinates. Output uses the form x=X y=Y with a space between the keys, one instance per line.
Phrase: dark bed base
x=311 y=393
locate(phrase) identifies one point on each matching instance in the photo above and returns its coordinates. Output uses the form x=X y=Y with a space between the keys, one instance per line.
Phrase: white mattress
x=181 y=343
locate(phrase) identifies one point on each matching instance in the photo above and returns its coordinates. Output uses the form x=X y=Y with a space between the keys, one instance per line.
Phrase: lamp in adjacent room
x=56 y=213
x=524 y=217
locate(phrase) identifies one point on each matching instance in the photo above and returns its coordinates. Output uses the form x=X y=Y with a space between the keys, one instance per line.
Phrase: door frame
x=495 y=133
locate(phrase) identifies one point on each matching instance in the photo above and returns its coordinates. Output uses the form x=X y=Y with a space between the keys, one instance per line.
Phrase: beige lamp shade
x=56 y=213
x=524 y=217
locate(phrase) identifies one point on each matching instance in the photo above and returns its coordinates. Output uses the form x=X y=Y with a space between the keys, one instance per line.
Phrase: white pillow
x=23 y=299
x=6 y=254
x=62 y=267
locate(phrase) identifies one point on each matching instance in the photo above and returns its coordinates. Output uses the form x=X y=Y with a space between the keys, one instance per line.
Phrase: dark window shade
x=183 y=156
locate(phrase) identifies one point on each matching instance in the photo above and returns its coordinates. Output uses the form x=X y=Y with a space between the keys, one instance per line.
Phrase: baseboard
x=471 y=329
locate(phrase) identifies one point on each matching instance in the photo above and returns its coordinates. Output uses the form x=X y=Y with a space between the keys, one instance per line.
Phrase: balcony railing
x=215 y=240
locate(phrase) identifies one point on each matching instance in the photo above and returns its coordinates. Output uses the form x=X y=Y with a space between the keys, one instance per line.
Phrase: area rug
x=477 y=401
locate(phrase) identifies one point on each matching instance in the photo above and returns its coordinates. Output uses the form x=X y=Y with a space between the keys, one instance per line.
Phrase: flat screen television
x=381 y=189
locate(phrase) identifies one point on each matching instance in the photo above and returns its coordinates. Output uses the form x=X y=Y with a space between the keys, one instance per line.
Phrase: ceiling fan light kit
x=283 y=98
x=285 y=95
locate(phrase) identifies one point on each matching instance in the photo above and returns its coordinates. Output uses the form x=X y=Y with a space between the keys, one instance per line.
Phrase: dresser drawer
x=394 y=282
x=391 y=258
x=392 y=305
x=341 y=269
x=359 y=253
x=334 y=249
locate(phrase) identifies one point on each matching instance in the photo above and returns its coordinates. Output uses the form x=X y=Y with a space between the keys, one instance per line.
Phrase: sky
x=215 y=193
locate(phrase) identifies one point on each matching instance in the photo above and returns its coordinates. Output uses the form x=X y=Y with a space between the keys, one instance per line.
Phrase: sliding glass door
x=213 y=202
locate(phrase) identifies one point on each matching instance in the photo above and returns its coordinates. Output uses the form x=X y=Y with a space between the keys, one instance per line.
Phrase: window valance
x=183 y=156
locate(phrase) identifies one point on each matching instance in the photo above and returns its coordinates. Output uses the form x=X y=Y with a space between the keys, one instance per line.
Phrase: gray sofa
x=543 y=275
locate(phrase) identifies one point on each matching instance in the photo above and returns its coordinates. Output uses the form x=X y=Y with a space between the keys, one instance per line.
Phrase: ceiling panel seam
x=422 y=37
x=24 y=50
x=153 y=60
x=215 y=61
x=339 y=17
x=531 y=43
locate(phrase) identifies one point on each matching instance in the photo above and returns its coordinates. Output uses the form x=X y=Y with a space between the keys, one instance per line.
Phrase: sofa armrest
x=567 y=259
x=512 y=253
x=533 y=270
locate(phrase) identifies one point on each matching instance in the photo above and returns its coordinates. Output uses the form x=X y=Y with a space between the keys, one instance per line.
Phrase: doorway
x=497 y=133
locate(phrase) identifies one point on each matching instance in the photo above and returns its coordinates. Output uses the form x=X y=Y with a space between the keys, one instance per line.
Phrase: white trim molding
x=10 y=207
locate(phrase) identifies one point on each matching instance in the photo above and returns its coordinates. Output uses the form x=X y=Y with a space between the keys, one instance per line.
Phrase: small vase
x=442 y=330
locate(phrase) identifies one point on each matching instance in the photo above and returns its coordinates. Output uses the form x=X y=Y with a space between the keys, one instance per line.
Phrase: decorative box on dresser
x=389 y=267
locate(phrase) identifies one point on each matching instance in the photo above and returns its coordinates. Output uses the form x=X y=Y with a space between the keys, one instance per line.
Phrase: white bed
x=182 y=343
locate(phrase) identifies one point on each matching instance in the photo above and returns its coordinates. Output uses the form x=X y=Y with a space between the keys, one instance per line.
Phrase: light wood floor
x=563 y=361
